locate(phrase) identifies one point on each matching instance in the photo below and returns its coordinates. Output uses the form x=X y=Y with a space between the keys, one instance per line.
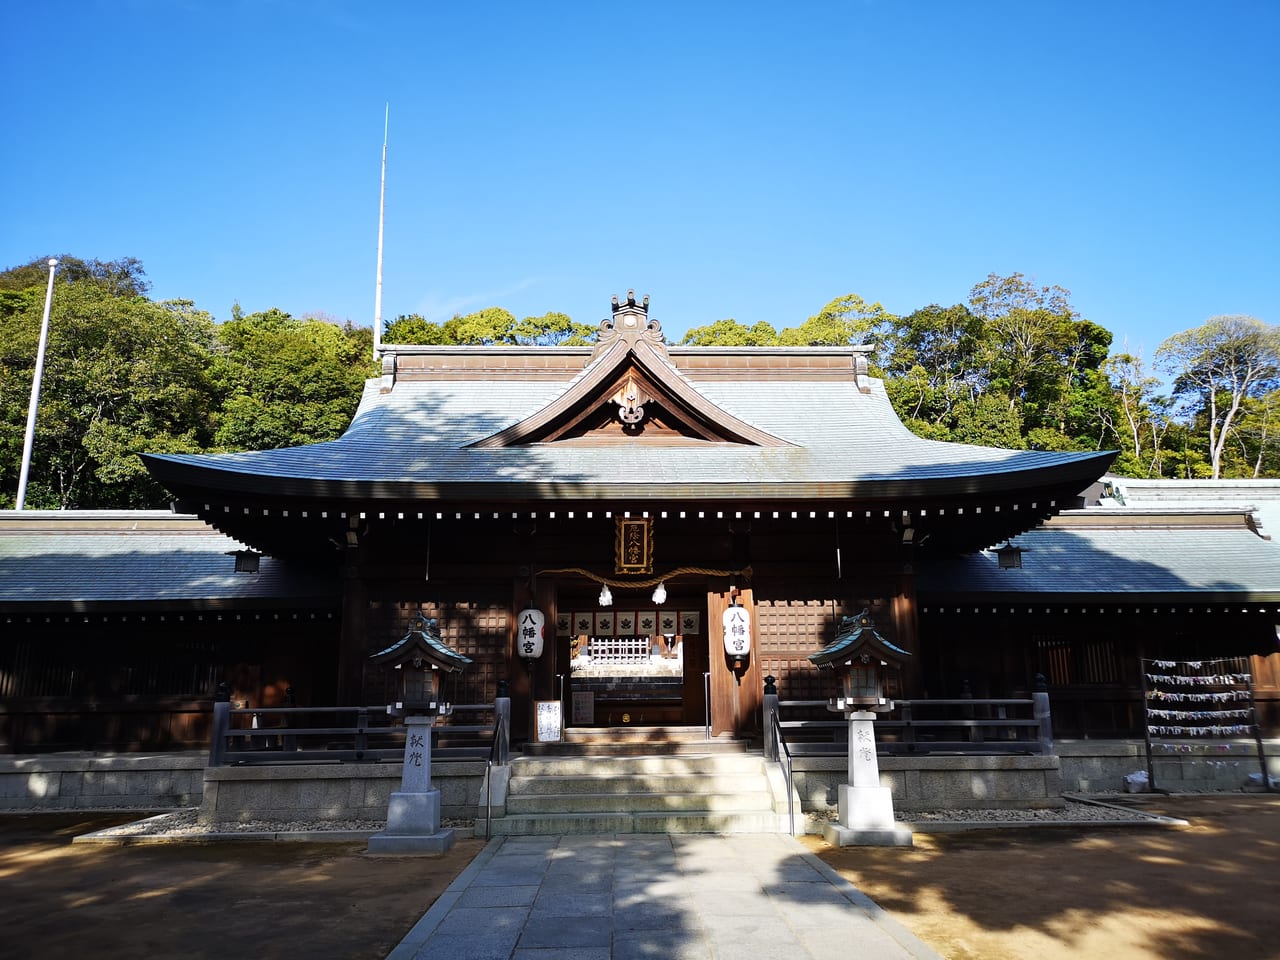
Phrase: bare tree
x=1219 y=365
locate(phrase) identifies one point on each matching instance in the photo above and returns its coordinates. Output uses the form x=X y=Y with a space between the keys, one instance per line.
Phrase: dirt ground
x=1210 y=890
x=245 y=900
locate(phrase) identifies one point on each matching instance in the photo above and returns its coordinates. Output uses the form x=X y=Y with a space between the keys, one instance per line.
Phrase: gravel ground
x=184 y=823
x=1075 y=811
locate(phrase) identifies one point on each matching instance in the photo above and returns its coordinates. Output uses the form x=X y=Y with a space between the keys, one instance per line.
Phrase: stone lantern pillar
x=862 y=657
x=420 y=658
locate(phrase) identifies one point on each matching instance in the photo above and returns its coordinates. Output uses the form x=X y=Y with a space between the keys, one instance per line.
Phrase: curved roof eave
x=188 y=474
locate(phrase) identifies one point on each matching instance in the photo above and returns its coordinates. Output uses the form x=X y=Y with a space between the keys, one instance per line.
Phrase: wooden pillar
x=353 y=641
x=547 y=686
x=735 y=700
x=906 y=627
x=540 y=683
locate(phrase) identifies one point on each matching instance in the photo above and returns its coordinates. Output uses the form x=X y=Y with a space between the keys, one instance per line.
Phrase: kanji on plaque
x=633 y=544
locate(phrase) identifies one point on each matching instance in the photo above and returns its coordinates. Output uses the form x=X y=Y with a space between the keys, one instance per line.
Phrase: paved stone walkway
x=687 y=897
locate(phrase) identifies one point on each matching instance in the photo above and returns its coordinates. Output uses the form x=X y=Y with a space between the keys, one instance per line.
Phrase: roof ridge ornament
x=630 y=323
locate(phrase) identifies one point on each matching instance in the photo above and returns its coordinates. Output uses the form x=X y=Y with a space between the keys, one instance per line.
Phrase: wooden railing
x=272 y=735
x=967 y=726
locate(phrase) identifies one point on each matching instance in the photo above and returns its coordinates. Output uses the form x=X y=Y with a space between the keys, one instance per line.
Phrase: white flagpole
x=29 y=441
x=382 y=209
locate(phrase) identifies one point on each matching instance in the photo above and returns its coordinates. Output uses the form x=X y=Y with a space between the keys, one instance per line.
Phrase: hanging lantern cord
x=653 y=582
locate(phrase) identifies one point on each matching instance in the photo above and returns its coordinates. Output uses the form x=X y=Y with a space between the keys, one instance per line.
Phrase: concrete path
x=658 y=897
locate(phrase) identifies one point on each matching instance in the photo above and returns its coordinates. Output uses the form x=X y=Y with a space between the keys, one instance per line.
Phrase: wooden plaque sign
x=633 y=544
x=546 y=717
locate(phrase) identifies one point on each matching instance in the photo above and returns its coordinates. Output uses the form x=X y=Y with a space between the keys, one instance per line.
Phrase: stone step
x=697 y=793
x=667 y=732
x=686 y=822
x=631 y=747
x=744 y=802
x=605 y=784
x=624 y=741
x=692 y=765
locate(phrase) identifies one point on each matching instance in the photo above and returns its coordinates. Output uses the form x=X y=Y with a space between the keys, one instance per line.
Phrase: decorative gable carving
x=630 y=390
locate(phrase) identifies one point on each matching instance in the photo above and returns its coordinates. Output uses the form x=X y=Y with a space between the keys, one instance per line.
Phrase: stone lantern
x=863 y=658
x=420 y=659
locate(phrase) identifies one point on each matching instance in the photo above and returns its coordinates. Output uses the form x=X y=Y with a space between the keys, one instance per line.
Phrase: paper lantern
x=530 y=633
x=737 y=632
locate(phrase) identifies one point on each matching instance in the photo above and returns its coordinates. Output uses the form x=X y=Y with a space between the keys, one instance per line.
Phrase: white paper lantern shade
x=737 y=632
x=531 y=628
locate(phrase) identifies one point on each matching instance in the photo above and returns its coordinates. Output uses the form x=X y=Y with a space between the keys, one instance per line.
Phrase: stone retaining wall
x=939 y=782
x=76 y=781
x=1100 y=766
x=360 y=791
x=333 y=791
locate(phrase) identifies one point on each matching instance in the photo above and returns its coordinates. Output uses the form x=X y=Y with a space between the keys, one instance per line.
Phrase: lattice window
x=1055 y=659
x=475 y=629
x=1087 y=661
x=788 y=631
x=1100 y=662
x=166 y=667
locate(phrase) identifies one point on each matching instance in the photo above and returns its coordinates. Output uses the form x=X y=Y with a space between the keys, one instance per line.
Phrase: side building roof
x=1120 y=555
x=97 y=560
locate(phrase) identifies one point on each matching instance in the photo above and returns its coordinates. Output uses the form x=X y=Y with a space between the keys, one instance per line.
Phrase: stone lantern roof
x=422 y=644
x=856 y=636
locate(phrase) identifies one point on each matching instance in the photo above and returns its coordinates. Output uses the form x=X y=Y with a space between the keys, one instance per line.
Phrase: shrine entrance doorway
x=632 y=663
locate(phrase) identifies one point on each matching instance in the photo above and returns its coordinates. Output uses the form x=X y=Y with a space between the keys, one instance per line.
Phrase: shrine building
x=633 y=491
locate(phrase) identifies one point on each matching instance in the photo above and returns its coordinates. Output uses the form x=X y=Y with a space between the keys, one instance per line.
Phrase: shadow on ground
x=319 y=901
x=1208 y=890
x=1204 y=891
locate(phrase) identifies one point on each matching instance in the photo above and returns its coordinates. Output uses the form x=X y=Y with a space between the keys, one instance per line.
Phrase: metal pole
x=382 y=209
x=706 y=696
x=29 y=440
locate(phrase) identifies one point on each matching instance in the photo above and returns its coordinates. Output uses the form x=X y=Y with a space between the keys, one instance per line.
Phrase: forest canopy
x=1015 y=366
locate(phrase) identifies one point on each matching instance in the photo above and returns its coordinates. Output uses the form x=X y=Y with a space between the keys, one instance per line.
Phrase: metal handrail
x=289 y=734
x=499 y=738
x=706 y=700
x=786 y=751
x=1037 y=721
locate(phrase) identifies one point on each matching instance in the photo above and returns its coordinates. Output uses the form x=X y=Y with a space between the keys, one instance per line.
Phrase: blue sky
x=746 y=160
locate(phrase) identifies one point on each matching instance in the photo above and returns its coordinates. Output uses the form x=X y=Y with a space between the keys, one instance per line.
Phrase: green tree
x=286 y=382
x=1217 y=368
x=413 y=328
x=119 y=278
x=845 y=320
x=985 y=421
x=731 y=333
x=553 y=329
x=487 y=327
x=122 y=375
x=491 y=326
x=1037 y=350
x=932 y=362
x=1257 y=438
x=1137 y=416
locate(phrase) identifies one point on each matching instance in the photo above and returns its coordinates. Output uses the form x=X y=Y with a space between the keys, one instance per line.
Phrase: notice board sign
x=546 y=720
x=584 y=708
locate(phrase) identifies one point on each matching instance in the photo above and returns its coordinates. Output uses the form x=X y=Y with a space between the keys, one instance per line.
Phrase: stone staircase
x=634 y=741
x=671 y=788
